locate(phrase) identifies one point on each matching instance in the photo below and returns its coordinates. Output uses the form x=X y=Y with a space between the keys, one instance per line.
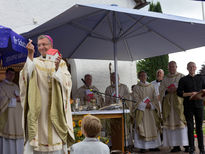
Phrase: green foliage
x=151 y=65
x=155 y=8
x=202 y=70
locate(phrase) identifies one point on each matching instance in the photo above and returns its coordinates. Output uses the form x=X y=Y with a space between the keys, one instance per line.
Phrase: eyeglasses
x=43 y=44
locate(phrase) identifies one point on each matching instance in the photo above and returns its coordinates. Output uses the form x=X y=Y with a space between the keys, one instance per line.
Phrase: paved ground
x=166 y=150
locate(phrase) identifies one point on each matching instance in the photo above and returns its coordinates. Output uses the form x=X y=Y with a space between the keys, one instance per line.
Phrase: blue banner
x=12 y=47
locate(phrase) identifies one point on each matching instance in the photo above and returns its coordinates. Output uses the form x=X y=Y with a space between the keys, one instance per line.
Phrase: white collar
x=90 y=139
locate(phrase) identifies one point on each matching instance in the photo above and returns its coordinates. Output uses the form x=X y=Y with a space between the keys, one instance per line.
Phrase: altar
x=117 y=132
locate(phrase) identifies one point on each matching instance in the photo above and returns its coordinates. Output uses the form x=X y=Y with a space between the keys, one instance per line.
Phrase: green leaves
x=151 y=65
x=155 y=7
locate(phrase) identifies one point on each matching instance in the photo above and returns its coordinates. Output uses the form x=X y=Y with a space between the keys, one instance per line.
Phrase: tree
x=202 y=70
x=151 y=65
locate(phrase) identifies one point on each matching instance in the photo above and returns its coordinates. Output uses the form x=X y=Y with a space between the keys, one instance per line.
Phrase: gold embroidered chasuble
x=110 y=90
x=172 y=105
x=147 y=122
x=81 y=93
x=10 y=117
x=46 y=100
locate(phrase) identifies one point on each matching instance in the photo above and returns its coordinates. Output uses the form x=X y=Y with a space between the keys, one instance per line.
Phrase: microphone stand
x=125 y=133
x=123 y=111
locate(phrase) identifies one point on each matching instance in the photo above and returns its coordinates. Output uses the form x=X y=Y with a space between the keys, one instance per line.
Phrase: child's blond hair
x=91 y=125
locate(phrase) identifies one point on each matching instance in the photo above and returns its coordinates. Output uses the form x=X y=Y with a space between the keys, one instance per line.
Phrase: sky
x=190 y=9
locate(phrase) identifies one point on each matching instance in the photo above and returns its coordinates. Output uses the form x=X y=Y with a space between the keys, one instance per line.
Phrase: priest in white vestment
x=110 y=95
x=174 y=123
x=11 y=131
x=86 y=95
x=146 y=115
x=45 y=93
x=110 y=91
x=156 y=84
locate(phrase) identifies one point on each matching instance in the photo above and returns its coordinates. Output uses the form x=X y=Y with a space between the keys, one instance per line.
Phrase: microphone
x=83 y=81
x=92 y=90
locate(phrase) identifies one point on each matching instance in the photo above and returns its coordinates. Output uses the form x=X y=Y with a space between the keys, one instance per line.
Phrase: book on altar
x=199 y=95
x=52 y=54
x=146 y=100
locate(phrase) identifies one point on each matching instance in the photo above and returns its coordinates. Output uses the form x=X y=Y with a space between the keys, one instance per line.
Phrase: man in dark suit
x=189 y=86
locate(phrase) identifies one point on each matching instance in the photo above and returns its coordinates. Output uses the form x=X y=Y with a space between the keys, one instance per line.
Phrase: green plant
x=77 y=131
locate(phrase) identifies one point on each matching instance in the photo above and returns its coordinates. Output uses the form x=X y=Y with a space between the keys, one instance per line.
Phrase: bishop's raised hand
x=30 y=48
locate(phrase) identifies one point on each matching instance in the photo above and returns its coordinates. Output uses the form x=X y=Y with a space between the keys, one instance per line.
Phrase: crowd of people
x=162 y=107
x=37 y=118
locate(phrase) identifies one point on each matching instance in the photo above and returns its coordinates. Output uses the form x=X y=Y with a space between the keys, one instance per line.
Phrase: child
x=91 y=127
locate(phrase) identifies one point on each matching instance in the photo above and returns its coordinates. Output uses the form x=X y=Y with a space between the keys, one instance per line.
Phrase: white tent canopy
x=113 y=33
x=86 y=32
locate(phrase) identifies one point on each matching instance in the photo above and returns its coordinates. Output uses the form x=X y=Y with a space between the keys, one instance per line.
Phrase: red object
x=115 y=95
x=147 y=101
x=53 y=52
x=195 y=136
x=171 y=86
x=90 y=95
